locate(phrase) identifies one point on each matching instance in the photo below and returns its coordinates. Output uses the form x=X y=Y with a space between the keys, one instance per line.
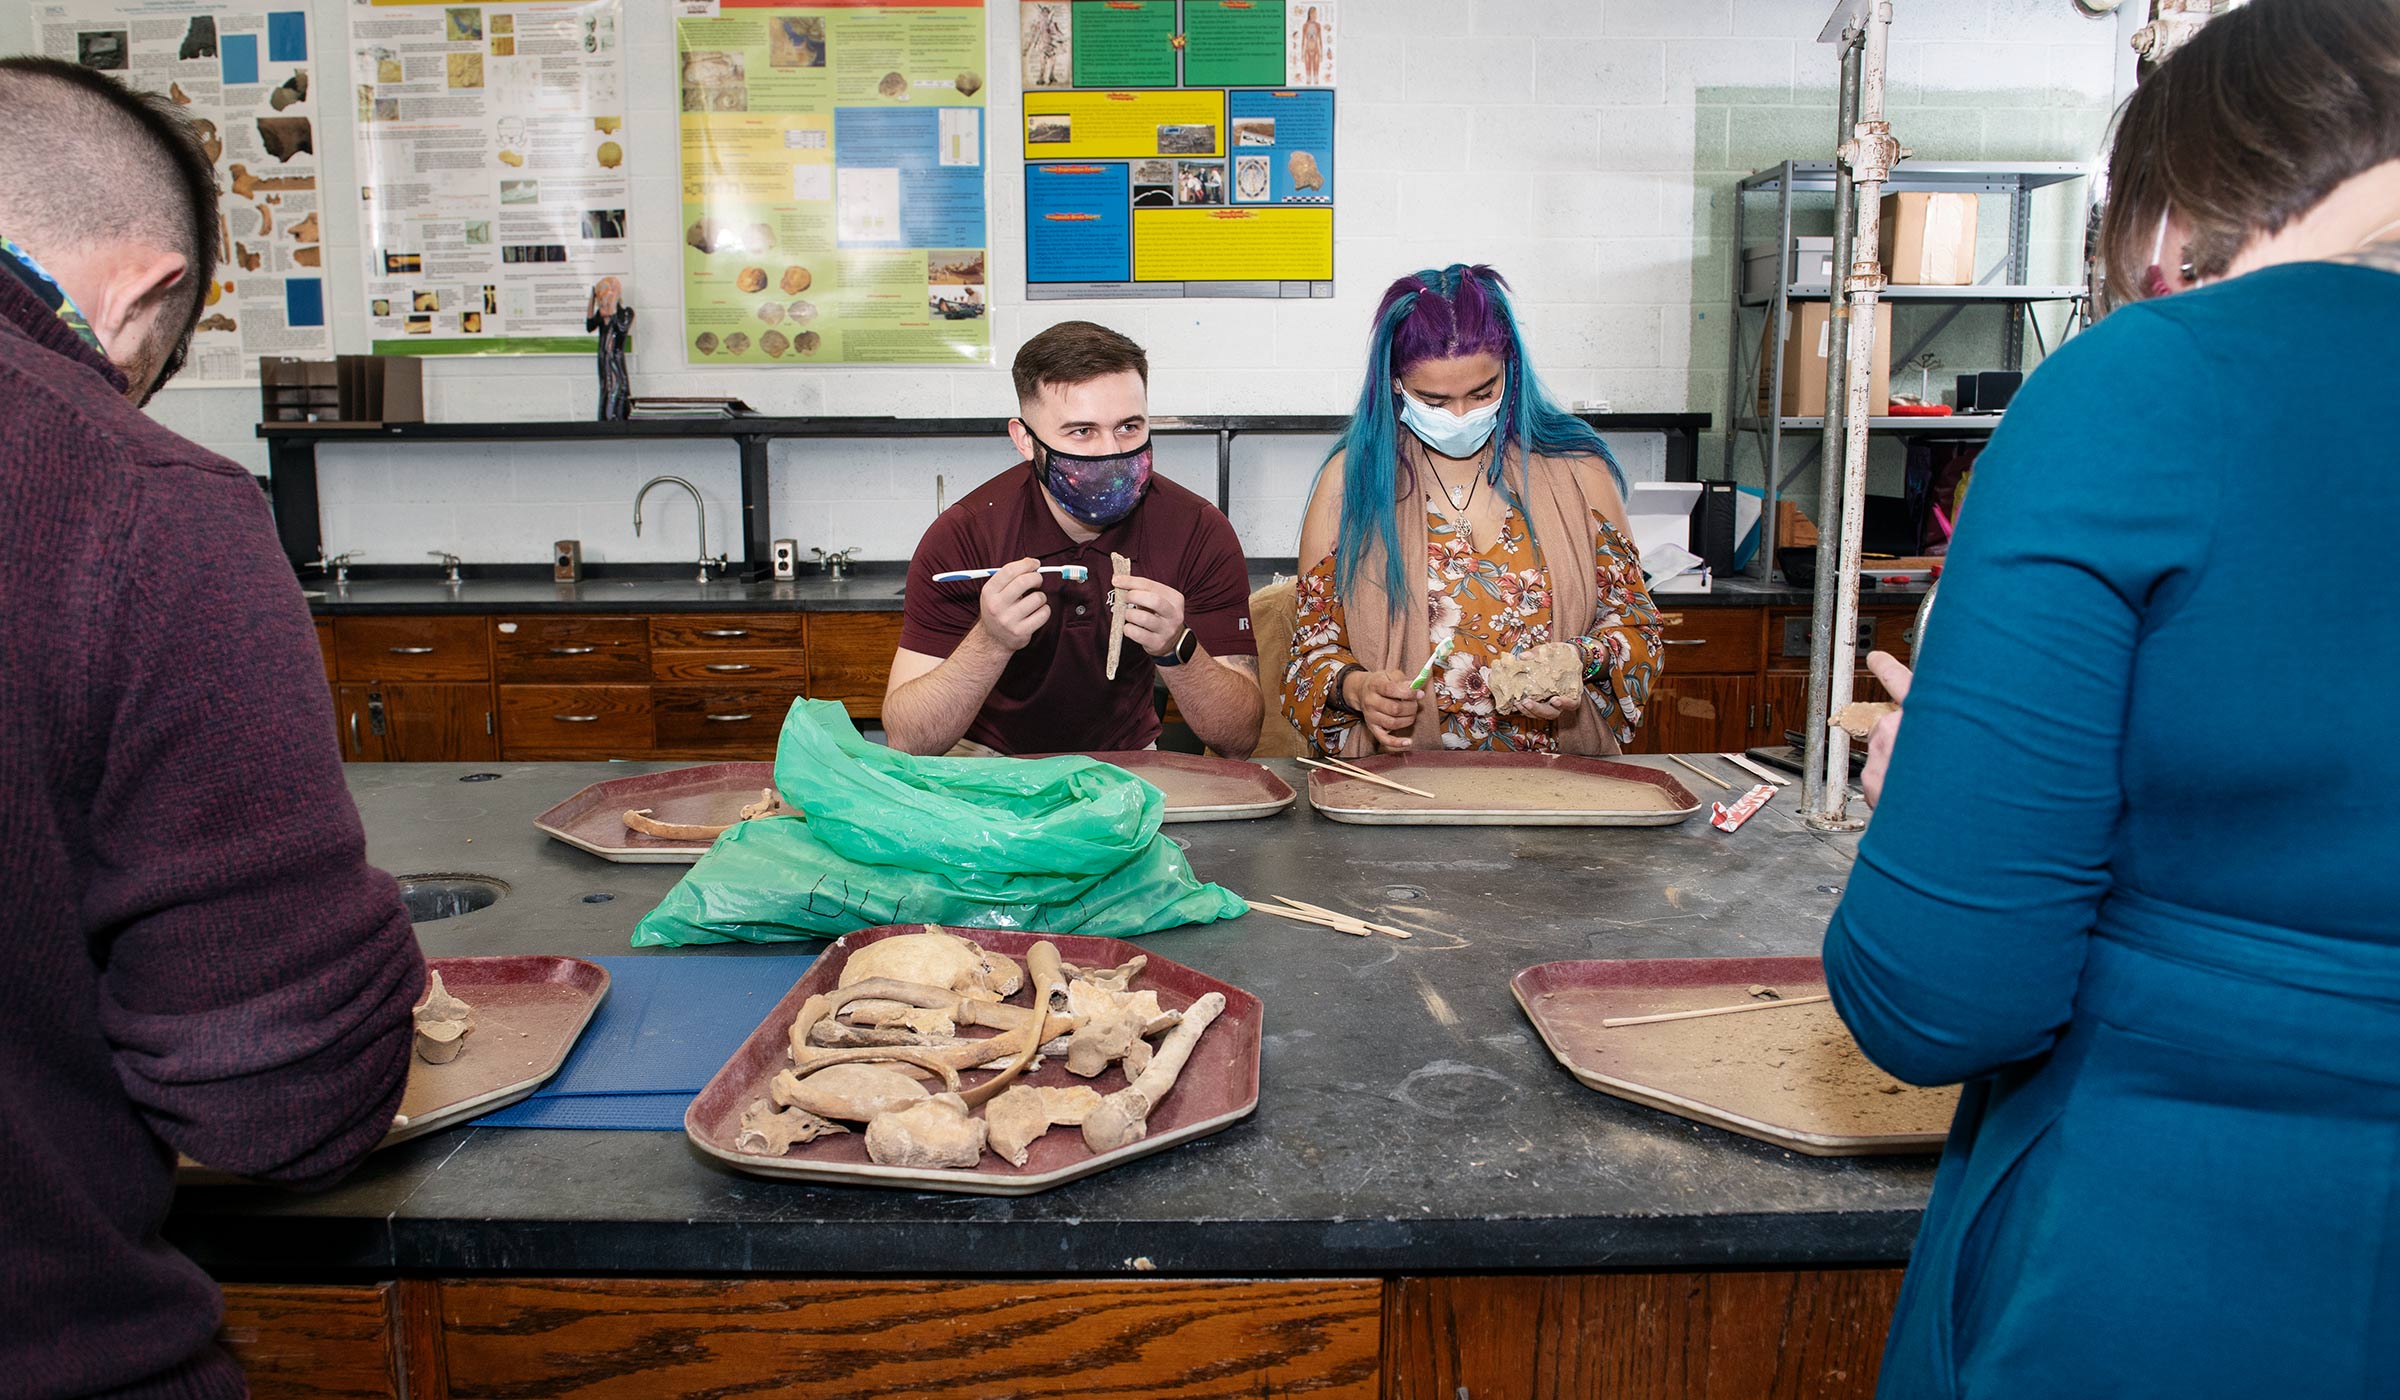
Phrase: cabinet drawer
x=726 y=667
x=1884 y=629
x=711 y=717
x=605 y=717
x=741 y=631
x=571 y=649
x=1711 y=641
x=412 y=649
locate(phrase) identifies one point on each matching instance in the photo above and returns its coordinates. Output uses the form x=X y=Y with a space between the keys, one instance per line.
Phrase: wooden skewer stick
x=1615 y=1021
x=1345 y=771
x=1720 y=782
x=1765 y=773
x=1302 y=917
x=1385 y=929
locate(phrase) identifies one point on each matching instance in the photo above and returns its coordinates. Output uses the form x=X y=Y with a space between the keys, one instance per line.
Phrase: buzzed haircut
x=86 y=160
x=1075 y=352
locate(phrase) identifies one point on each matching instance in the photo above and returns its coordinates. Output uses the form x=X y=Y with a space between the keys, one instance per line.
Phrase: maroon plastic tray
x=1793 y=1077
x=1218 y=1086
x=1501 y=789
x=712 y=794
x=1205 y=788
x=529 y=1011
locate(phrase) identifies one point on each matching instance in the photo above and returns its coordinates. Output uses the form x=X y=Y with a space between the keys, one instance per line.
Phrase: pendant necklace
x=1460 y=496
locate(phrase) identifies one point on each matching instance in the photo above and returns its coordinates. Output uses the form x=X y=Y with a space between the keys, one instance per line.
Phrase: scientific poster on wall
x=242 y=74
x=493 y=187
x=1178 y=148
x=833 y=169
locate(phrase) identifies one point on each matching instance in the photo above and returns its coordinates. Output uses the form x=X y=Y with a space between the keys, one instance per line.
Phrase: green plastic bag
x=1058 y=845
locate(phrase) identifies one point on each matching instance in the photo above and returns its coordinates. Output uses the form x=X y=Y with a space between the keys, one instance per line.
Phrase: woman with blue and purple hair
x=1456 y=458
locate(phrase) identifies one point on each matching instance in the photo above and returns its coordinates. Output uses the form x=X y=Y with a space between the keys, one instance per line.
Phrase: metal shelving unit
x=2005 y=285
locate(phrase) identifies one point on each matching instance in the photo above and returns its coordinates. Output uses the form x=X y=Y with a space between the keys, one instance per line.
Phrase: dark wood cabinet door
x=430 y=648
x=357 y=713
x=567 y=649
x=1802 y=1335
x=1698 y=714
x=426 y=722
x=850 y=658
x=600 y=721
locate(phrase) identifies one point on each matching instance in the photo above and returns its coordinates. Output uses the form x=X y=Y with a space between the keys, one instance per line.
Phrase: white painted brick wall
x=1583 y=146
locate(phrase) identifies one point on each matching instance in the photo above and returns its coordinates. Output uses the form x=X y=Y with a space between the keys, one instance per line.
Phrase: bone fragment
x=853 y=1093
x=772 y=1133
x=1858 y=719
x=442 y=1023
x=1107 y=1026
x=1113 y=979
x=1553 y=668
x=1123 y=1117
x=1024 y=1113
x=934 y=958
x=1048 y=982
x=1116 y=611
x=932 y=1133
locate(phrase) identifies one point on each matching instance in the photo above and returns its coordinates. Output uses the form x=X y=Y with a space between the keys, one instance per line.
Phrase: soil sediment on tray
x=1502 y=790
x=1797 y=1068
x=519 y=1028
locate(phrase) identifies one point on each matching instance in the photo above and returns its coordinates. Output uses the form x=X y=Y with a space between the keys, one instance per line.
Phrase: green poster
x=1126 y=44
x=1230 y=43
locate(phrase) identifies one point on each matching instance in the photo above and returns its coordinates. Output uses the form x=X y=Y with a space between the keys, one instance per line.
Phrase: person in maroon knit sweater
x=198 y=956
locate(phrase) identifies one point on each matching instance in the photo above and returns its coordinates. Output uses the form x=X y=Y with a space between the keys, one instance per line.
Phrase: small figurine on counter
x=608 y=314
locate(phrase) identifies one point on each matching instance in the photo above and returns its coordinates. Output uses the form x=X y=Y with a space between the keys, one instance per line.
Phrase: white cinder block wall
x=1584 y=147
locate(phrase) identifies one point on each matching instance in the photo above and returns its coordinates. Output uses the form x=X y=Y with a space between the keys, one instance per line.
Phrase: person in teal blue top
x=2128 y=877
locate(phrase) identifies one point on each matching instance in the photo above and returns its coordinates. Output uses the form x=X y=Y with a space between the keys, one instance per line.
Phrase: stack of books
x=663 y=408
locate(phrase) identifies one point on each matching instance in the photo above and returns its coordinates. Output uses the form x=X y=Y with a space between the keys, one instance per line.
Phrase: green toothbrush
x=1440 y=655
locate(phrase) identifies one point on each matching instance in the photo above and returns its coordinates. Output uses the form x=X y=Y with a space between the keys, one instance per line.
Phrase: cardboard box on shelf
x=1804 y=354
x=1811 y=268
x=1928 y=239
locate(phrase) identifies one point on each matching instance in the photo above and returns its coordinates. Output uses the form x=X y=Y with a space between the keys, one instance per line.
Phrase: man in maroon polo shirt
x=1017 y=663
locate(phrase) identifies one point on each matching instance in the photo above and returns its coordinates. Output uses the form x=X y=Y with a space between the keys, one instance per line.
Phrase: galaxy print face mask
x=1099 y=491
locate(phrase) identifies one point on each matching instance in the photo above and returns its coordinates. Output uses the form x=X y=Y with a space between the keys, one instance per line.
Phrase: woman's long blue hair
x=1439 y=315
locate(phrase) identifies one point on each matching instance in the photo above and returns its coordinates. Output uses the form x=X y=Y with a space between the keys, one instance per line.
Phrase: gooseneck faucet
x=699 y=507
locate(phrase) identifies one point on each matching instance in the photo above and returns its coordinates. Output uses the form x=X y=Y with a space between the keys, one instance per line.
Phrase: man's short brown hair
x=1075 y=352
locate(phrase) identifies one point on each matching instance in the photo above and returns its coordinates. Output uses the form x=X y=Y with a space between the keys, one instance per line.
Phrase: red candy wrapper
x=1725 y=818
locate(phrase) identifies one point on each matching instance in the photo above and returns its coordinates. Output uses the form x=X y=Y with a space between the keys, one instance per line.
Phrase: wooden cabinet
x=569 y=647
x=1814 y=1334
x=1806 y=1335
x=850 y=658
x=578 y=721
x=720 y=721
x=437 y=648
x=413 y=689
x=1698 y=714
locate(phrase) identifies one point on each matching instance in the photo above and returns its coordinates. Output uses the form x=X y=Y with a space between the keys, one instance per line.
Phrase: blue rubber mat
x=669 y=1023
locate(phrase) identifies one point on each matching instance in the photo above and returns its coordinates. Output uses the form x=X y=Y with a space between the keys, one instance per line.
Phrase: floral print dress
x=1493 y=602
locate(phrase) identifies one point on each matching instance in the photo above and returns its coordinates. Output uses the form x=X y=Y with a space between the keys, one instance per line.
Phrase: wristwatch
x=1181 y=652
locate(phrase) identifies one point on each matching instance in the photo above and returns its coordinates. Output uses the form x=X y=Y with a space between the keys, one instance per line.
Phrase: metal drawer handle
x=1688 y=642
x=574 y=719
x=725 y=719
x=725 y=632
x=728 y=666
x=412 y=651
x=354 y=745
x=572 y=651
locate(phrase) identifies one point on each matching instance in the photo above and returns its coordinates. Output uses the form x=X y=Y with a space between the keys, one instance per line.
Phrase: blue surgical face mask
x=1451 y=434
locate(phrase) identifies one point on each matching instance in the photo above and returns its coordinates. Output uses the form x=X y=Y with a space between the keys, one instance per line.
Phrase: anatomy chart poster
x=244 y=76
x=1178 y=148
x=493 y=183
x=833 y=182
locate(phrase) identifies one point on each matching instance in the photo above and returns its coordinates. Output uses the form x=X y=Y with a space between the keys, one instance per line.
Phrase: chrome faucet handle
x=449 y=561
x=721 y=563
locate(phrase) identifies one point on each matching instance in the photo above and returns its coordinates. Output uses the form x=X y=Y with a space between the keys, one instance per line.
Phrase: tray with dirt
x=1502 y=789
x=1204 y=787
x=1788 y=1075
x=854 y=1114
x=528 y=1011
